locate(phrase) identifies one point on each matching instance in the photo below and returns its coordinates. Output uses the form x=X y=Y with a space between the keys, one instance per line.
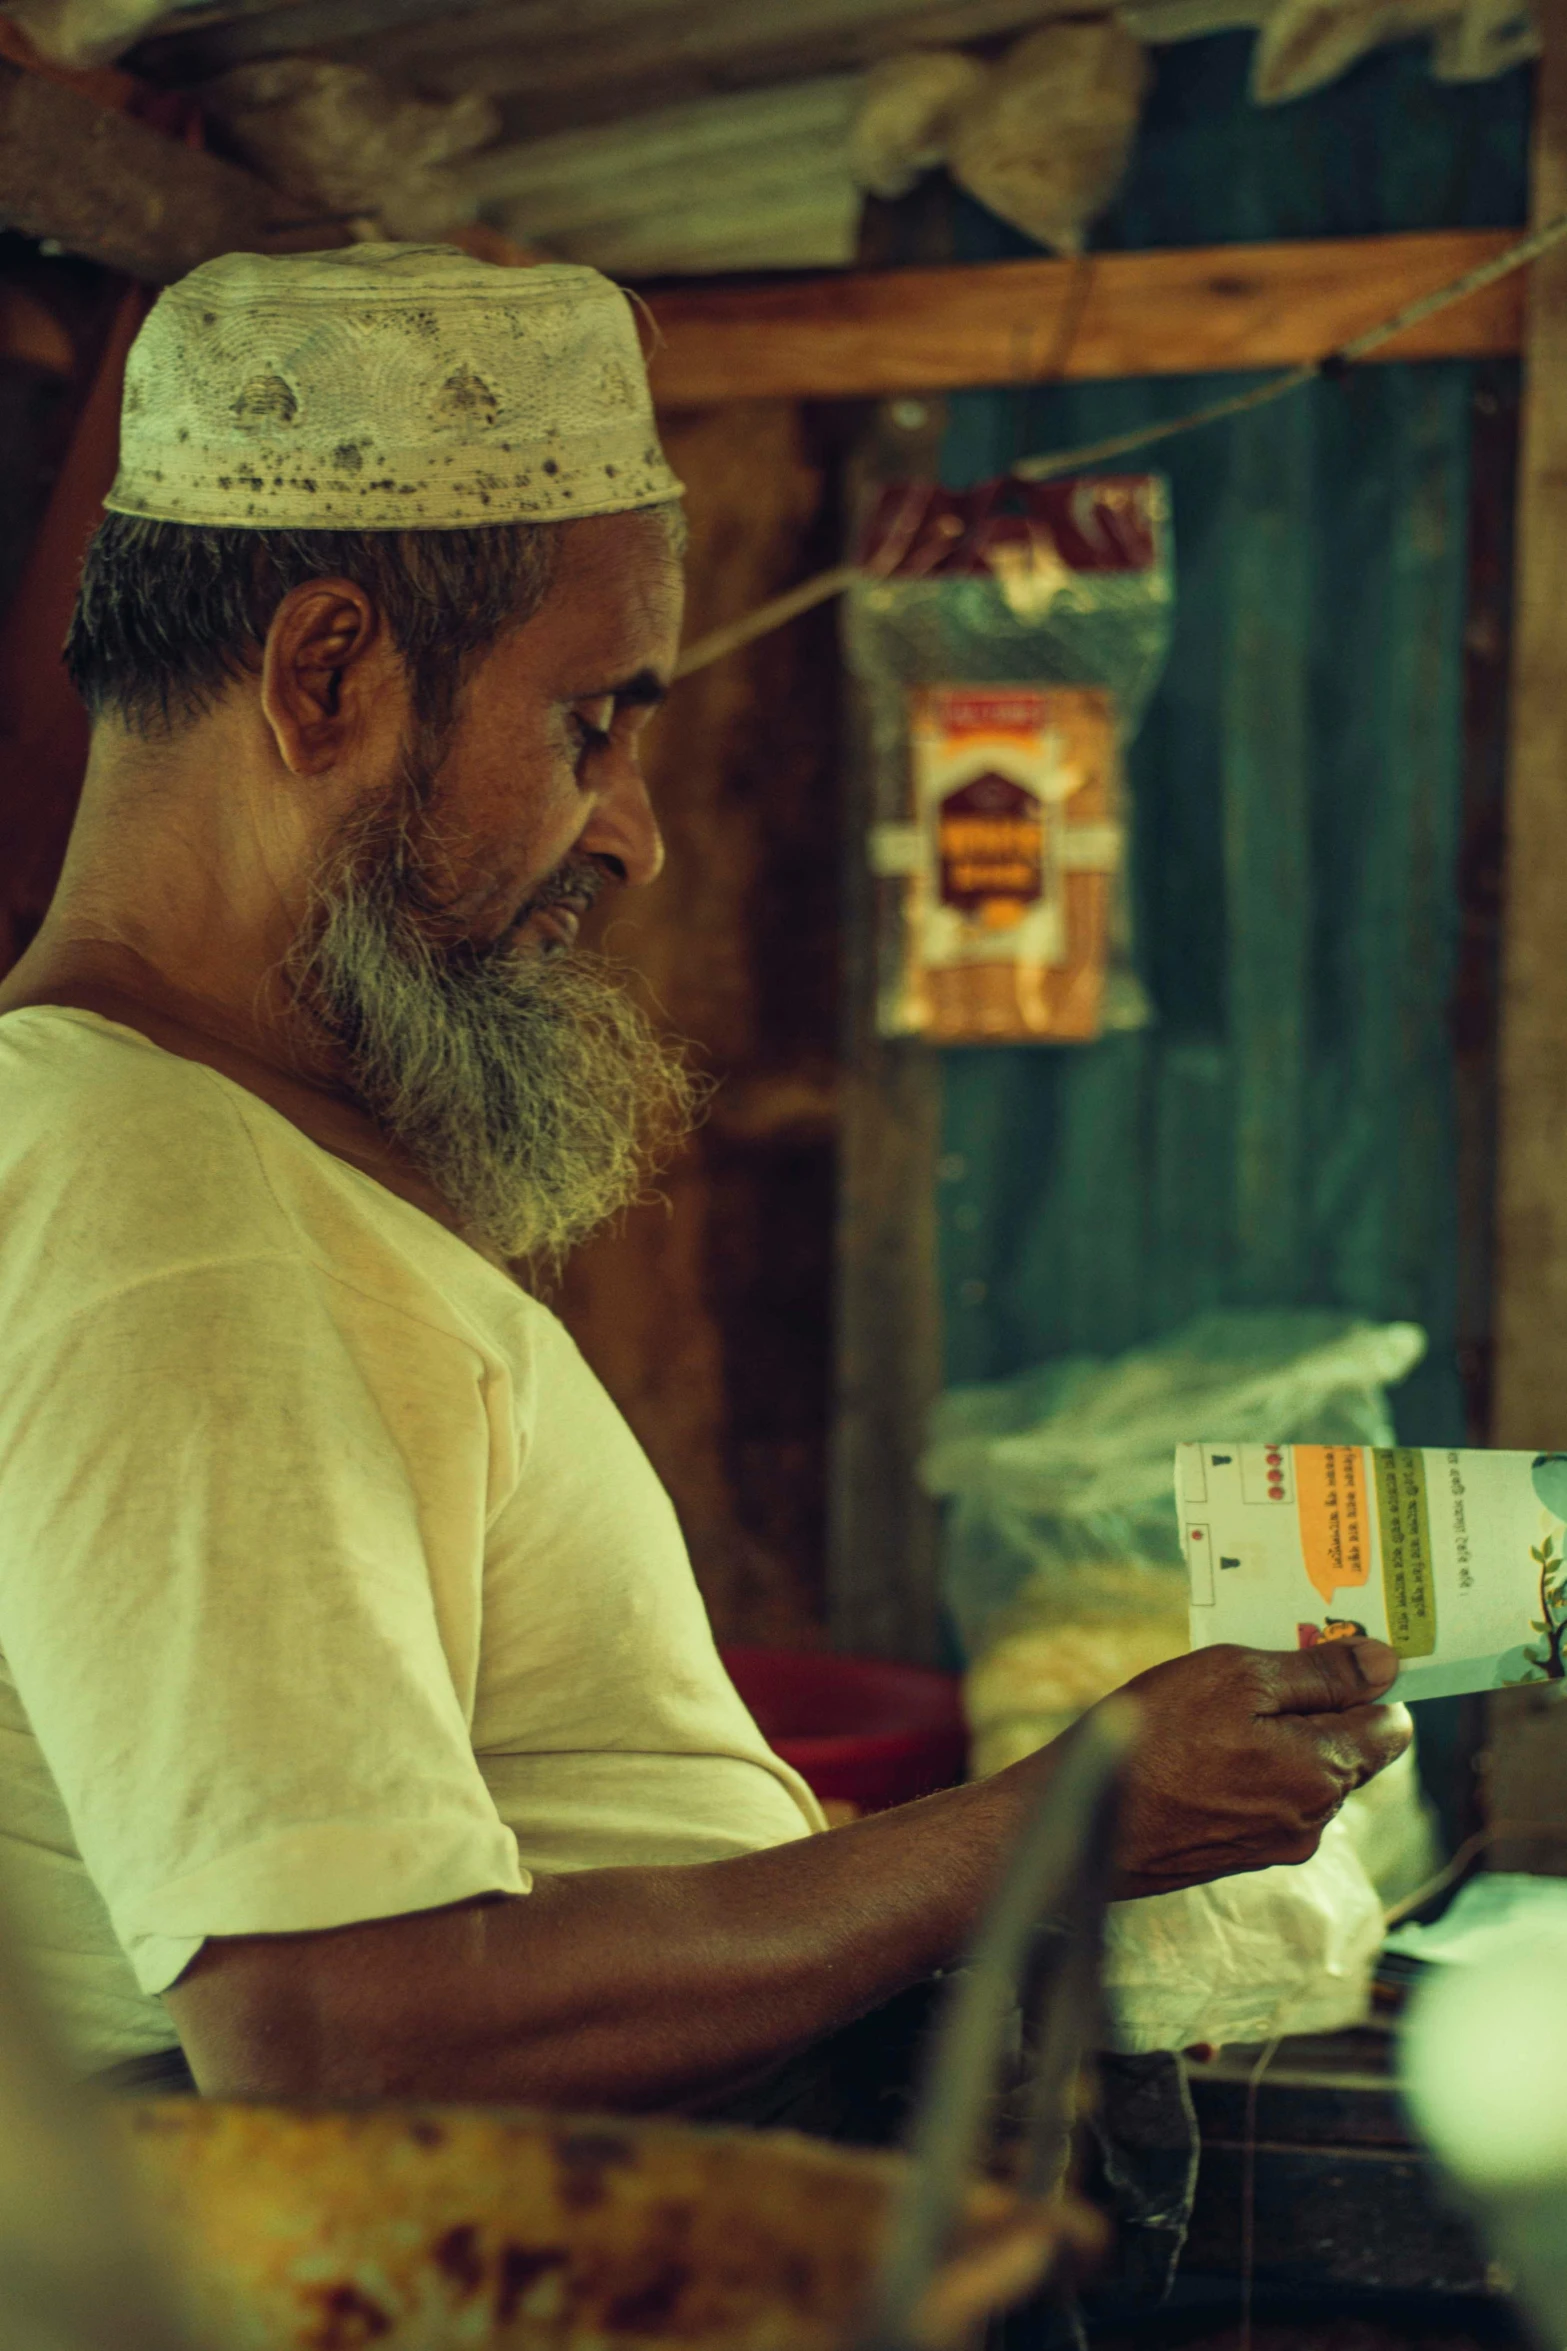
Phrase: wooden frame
x=872 y=334
x=1530 y=1389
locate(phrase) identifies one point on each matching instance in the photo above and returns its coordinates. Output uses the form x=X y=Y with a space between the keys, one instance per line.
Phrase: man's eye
x=591 y=736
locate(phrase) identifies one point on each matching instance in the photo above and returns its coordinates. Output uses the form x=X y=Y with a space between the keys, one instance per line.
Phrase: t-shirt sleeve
x=217 y=1608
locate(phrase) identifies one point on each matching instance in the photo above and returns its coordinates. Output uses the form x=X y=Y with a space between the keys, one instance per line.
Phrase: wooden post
x=882 y=1557
x=1531 y=1284
x=883 y=1530
x=1526 y=1748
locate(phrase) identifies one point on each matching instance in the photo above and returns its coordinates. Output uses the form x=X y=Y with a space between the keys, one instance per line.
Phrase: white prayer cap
x=383 y=388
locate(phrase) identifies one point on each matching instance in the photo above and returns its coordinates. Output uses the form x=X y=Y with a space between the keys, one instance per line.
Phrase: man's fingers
x=1245 y=1754
x=1330 y=1678
x=1377 y=1735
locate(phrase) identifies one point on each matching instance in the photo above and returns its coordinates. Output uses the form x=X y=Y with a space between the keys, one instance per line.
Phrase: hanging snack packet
x=1457 y=1559
x=1007 y=639
x=1008 y=908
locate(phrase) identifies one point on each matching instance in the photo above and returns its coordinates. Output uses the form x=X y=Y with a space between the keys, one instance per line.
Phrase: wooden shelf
x=866 y=335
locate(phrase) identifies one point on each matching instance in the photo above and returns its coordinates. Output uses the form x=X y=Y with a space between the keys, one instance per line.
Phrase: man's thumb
x=1334 y=1675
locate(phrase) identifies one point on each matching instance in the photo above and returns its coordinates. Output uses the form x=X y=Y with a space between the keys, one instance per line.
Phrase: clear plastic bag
x=1007 y=640
x=1065 y=1575
x=1058 y=1481
x=1287 y=1950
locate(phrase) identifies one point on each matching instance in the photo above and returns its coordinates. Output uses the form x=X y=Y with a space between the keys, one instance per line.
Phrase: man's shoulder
x=124 y=1163
x=69 y=1081
x=111 y=1146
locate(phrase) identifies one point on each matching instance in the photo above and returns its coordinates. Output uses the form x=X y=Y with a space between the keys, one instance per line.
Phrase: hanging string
x=825 y=585
x=1499 y=1832
x=1266 y=2055
x=1334 y=363
x=767 y=617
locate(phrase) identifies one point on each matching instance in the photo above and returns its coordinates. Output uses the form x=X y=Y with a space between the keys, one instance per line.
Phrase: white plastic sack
x=1059 y=1473
x=1286 y=1950
x=1091 y=1441
x=1395 y=1830
x=1065 y=1574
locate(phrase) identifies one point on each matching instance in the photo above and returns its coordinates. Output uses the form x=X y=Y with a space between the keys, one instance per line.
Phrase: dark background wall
x=708 y=1314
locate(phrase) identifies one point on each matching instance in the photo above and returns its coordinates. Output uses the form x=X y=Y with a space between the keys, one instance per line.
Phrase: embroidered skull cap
x=387 y=387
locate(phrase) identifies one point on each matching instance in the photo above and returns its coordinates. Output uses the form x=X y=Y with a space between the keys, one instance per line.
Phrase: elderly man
x=362 y=1729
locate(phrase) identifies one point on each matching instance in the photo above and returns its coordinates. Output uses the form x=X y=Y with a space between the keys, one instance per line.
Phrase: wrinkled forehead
x=611 y=622
x=622 y=582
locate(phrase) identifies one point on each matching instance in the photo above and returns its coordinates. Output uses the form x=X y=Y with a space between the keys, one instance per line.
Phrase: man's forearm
x=655 y=1987
x=618 y=1987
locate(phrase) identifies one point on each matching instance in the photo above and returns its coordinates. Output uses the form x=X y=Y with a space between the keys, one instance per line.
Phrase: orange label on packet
x=991 y=848
x=1007 y=900
x=1331 y=1500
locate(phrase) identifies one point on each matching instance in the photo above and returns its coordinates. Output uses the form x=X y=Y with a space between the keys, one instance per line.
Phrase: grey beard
x=531 y=1090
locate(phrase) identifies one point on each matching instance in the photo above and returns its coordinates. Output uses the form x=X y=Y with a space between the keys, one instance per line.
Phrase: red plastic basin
x=858 y=1730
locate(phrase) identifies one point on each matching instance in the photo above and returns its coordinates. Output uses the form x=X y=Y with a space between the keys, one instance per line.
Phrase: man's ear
x=322 y=681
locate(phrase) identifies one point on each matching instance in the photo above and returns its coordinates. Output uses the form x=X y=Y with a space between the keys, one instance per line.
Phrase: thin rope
x=1332 y=363
x=780 y=609
x=1270 y=2050
x=1473 y=281
x=1500 y=1832
x=1046 y=469
x=766 y=618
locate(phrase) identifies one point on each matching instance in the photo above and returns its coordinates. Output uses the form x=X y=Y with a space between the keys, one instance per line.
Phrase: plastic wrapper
x=1393 y=1827
x=1287 y=1950
x=1057 y=1481
x=1066 y=1576
x=1493 y=1914
x=1006 y=640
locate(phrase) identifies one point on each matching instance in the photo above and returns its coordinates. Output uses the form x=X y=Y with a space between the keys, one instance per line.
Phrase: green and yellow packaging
x=1456 y=1558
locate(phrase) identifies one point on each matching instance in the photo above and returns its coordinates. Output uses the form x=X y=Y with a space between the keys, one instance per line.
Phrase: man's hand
x=1245 y=1755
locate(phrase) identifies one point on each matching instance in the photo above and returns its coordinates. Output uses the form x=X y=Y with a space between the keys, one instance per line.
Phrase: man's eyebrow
x=645 y=689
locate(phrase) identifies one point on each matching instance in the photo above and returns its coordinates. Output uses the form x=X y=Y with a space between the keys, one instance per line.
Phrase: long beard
x=531 y=1090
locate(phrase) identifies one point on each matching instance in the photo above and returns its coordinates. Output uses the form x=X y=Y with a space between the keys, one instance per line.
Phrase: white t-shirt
x=332 y=1584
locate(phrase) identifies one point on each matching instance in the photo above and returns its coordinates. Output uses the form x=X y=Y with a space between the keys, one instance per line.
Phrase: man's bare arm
x=635 y=1988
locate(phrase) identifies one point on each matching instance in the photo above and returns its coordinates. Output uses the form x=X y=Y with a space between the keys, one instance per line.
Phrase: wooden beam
x=31 y=335
x=1531 y=1293
x=870 y=334
x=111 y=189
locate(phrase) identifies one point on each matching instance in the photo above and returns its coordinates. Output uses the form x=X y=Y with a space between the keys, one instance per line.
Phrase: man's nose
x=623 y=828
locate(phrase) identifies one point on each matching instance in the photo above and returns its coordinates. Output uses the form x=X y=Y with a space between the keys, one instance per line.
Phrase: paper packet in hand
x=1458 y=1559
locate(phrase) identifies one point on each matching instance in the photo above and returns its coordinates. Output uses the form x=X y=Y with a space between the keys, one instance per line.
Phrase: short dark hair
x=168 y=614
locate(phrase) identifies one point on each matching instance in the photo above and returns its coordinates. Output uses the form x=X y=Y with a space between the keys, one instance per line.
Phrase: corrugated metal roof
x=649 y=137
x=559 y=65
x=673 y=137
x=753 y=181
